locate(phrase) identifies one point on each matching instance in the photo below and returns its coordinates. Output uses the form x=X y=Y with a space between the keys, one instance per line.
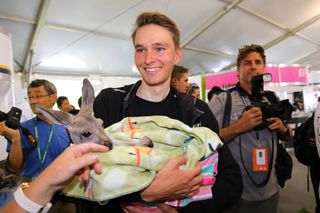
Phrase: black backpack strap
x=227 y=111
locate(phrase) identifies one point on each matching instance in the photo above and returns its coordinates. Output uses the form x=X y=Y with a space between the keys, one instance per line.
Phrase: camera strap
x=227 y=110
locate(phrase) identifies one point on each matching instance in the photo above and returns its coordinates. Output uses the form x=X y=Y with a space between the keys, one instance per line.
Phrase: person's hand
x=138 y=208
x=72 y=161
x=173 y=183
x=285 y=133
x=277 y=125
x=8 y=132
x=60 y=173
x=251 y=118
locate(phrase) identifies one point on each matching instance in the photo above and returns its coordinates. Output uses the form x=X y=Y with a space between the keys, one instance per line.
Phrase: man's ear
x=179 y=52
x=53 y=98
x=174 y=81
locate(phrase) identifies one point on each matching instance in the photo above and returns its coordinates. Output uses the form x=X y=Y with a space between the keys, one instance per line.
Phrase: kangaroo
x=84 y=127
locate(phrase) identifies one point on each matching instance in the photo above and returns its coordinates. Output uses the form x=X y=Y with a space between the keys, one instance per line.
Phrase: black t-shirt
x=166 y=107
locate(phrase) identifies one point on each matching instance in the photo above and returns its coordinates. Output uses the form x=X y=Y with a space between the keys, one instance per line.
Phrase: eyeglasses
x=37 y=97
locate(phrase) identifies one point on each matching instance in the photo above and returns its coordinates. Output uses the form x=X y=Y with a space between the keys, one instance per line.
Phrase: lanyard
x=43 y=157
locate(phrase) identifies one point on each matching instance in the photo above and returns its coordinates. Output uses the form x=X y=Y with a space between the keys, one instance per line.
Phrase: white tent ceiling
x=93 y=37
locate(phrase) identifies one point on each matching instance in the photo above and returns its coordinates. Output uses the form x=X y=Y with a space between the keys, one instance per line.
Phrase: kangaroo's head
x=83 y=127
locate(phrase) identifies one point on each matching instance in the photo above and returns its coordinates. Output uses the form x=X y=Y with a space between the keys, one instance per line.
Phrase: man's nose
x=149 y=57
x=33 y=100
x=254 y=65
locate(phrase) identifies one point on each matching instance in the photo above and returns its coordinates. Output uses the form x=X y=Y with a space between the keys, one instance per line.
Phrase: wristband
x=25 y=203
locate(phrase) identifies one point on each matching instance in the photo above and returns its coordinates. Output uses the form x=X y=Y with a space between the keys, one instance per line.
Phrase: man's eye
x=160 y=49
x=86 y=134
x=139 y=50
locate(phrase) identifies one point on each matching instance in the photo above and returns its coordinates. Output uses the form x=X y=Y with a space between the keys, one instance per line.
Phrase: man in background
x=65 y=106
x=179 y=78
x=38 y=141
x=254 y=147
x=194 y=90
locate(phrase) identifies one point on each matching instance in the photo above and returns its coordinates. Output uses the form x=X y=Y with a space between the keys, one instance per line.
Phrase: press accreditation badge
x=260 y=159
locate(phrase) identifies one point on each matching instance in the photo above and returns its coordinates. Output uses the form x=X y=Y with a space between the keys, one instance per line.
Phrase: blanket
x=127 y=169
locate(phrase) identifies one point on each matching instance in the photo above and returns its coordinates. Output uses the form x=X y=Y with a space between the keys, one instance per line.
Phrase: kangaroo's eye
x=86 y=134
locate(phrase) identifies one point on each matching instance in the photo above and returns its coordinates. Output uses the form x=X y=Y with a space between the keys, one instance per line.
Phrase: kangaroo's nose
x=109 y=145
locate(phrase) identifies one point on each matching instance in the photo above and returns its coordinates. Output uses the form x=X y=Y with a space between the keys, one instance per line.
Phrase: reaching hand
x=59 y=174
x=173 y=183
x=70 y=162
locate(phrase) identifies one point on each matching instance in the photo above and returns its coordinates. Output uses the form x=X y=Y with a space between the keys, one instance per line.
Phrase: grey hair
x=48 y=86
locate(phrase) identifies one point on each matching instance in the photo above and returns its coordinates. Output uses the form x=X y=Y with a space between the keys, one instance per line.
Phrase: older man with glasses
x=38 y=141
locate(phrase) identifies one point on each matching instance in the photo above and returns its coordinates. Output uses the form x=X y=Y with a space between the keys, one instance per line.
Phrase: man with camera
x=35 y=143
x=251 y=136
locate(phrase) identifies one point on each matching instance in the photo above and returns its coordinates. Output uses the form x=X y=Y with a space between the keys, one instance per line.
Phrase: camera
x=12 y=118
x=282 y=109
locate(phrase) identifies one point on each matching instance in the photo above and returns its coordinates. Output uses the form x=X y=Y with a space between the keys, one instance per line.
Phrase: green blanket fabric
x=127 y=169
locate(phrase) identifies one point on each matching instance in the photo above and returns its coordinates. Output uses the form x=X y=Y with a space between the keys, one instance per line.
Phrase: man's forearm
x=286 y=135
x=230 y=132
x=15 y=160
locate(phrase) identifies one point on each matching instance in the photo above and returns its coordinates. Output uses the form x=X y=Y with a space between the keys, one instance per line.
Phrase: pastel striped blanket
x=129 y=169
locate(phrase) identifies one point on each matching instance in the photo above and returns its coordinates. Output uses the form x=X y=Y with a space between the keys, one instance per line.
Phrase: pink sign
x=294 y=74
x=221 y=80
x=274 y=70
x=290 y=74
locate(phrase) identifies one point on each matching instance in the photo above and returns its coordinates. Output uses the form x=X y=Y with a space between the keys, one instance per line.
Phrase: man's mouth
x=34 y=109
x=152 y=69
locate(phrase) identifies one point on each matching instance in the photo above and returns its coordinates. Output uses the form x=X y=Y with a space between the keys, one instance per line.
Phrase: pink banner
x=221 y=80
x=290 y=74
x=274 y=70
x=294 y=74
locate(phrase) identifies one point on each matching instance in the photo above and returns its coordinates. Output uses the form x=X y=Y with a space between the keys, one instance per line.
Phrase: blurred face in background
x=196 y=93
x=181 y=84
x=66 y=106
x=38 y=95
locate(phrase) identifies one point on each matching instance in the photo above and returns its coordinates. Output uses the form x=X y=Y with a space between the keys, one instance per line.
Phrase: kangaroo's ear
x=56 y=116
x=87 y=93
